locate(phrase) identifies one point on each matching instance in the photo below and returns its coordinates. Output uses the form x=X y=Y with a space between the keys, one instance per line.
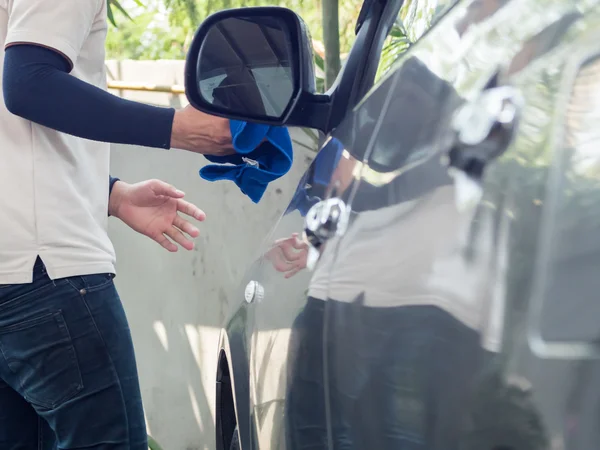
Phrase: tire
x=235 y=440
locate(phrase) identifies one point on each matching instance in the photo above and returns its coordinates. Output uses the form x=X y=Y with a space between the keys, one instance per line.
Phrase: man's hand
x=288 y=255
x=202 y=133
x=152 y=208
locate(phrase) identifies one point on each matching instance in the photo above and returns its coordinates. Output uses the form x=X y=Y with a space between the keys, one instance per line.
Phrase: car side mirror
x=252 y=64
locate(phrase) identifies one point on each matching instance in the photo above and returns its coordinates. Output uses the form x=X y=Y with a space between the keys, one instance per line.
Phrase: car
x=433 y=282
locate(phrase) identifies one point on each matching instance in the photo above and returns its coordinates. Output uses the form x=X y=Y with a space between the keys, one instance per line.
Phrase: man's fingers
x=281 y=265
x=191 y=210
x=186 y=227
x=294 y=240
x=292 y=247
x=293 y=272
x=161 y=188
x=166 y=243
x=299 y=244
x=289 y=253
x=180 y=238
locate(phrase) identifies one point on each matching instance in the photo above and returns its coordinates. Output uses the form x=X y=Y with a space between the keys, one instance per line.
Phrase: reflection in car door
x=283 y=318
x=383 y=344
x=302 y=377
x=389 y=327
x=400 y=345
x=287 y=384
x=414 y=298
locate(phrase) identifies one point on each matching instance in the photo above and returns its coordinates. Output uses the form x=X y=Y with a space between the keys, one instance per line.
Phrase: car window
x=569 y=290
x=414 y=19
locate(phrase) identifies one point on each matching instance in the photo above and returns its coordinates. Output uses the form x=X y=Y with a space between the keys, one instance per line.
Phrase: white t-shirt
x=54 y=187
x=411 y=253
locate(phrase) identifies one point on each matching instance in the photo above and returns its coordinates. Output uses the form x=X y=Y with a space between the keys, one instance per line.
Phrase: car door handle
x=324 y=220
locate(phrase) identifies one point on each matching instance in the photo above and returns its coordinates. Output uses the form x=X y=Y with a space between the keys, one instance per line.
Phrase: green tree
x=184 y=16
x=116 y=5
x=151 y=35
x=331 y=39
x=163 y=29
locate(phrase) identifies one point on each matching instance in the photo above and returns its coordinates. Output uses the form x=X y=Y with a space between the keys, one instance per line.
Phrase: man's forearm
x=38 y=87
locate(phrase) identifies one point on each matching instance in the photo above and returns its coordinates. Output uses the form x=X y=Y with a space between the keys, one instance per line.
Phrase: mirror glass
x=245 y=66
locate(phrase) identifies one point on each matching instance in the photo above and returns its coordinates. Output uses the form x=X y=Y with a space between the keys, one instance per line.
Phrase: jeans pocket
x=85 y=284
x=40 y=354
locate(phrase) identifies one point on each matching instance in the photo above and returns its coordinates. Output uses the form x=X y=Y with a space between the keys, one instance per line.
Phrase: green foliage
x=154 y=21
x=397 y=43
x=163 y=29
x=115 y=4
x=149 y=36
x=152 y=444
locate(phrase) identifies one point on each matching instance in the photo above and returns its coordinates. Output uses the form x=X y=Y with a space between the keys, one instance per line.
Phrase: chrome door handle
x=326 y=219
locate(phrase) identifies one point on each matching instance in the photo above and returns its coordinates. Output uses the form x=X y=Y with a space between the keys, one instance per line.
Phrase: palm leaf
x=117 y=5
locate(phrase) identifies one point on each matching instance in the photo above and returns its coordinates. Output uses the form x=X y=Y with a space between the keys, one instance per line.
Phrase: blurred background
x=163 y=29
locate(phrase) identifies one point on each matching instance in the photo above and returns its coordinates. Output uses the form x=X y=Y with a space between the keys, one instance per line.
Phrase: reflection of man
x=400 y=349
x=332 y=167
x=394 y=338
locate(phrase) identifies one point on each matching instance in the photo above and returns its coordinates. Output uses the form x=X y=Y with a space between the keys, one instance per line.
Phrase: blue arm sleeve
x=111 y=183
x=37 y=87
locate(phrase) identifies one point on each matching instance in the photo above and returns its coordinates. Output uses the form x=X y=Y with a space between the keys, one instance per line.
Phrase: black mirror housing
x=254 y=64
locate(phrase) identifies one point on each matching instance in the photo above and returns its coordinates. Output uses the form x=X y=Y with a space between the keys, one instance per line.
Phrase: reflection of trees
x=526 y=169
x=396 y=45
x=415 y=17
x=517 y=184
x=521 y=185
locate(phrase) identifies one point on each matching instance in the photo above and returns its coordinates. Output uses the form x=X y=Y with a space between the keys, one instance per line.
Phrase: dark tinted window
x=571 y=270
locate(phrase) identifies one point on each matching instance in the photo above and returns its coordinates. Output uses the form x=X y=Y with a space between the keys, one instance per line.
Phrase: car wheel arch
x=232 y=389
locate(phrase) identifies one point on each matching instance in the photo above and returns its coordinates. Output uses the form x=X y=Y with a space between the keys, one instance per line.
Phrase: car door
x=416 y=303
x=394 y=317
x=288 y=384
x=284 y=322
x=300 y=364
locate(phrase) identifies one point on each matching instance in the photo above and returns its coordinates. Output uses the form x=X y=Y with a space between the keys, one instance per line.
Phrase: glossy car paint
x=435 y=322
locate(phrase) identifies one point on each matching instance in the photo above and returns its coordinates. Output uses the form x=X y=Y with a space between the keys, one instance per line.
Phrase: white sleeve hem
x=44 y=40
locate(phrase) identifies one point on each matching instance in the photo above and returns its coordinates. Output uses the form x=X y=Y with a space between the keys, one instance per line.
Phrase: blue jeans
x=390 y=378
x=68 y=377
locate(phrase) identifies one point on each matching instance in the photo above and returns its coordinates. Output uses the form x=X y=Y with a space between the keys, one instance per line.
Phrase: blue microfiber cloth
x=256 y=163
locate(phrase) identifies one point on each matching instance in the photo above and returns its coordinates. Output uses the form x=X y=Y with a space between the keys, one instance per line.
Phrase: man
x=68 y=376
